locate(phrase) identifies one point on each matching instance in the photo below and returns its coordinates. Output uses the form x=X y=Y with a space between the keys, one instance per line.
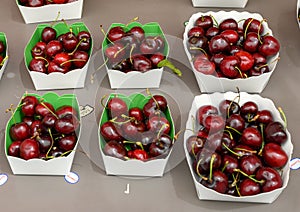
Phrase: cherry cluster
x=133 y=50
x=231 y=51
x=39 y=3
x=43 y=132
x=60 y=53
x=137 y=133
x=2 y=53
x=238 y=149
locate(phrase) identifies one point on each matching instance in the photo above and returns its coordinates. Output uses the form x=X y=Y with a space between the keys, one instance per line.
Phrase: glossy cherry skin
x=138 y=154
x=48 y=122
x=219 y=182
x=253 y=25
x=205 y=22
x=230 y=163
x=197 y=44
x=84 y=37
x=141 y=63
x=14 y=149
x=62 y=59
x=194 y=144
x=67 y=143
x=264 y=116
x=246 y=60
x=229 y=66
x=231 y=36
x=251 y=43
x=28 y=105
x=130 y=131
x=52 y=48
x=218 y=44
x=115 y=33
x=38 y=65
x=138 y=32
x=203 y=65
x=249 y=164
x=156 y=59
x=115 y=52
x=39 y=49
x=158 y=124
x=29 y=149
x=19 y=131
x=205 y=158
x=236 y=121
x=249 y=110
x=69 y=42
x=275 y=132
x=44 y=142
x=271 y=177
x=228 y=107
x=196 y=31
x=160 y=145
x=248 y=187
x=269 y=47
x=80 y=58
x=114 y=149
x=274 y=156
x=136 y=113
x=205 y=110
x=110 y=132
x=67 y=124
x=212 y=31
x=44 y=108
x=48 y=34
x=214 y=123
x=252 y=137
x=227 y=24
x=116 y=107
x=65 y=110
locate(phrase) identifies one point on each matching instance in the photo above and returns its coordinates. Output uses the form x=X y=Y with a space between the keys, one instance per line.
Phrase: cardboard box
x=220 y=3
x=210 y=83
x=136 y=79
x=4 y=40
x=154 y=167
x=73 y=79
x=263 y=103
x=55 y=166
x=48 y=13
x=298 y=12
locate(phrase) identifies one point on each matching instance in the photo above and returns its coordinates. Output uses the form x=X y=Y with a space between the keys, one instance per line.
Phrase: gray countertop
x=175 y=191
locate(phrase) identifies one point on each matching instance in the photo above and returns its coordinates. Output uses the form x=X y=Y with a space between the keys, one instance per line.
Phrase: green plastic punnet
x=54 y=166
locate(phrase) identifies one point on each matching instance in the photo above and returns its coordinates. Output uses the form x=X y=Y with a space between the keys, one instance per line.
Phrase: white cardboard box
x=6 y=61
x=263 y=103
x=209 y=83
x=48 y=13
x=298 y=12
x=220 y=3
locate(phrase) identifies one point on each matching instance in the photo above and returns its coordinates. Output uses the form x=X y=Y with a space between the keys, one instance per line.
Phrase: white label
x=72 y=178
x=295 y=163
x=3 y=179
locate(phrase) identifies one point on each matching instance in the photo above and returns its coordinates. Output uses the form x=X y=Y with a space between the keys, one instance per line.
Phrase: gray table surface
x=175 y=191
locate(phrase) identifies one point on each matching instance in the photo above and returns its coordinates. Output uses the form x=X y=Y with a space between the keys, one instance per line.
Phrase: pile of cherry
x=137 y=133
x=2 y=54
x=39 y=3
x=230 y=51
x=133 y=49
x=43 y=132
x=238 y=149
x=60 y=53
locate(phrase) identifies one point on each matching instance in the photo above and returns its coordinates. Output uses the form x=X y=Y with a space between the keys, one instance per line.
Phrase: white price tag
x=72 y=178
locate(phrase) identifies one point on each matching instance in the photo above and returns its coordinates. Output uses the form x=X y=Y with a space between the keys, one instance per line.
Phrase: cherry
x=44 y=108
x=149 y=45
x=194 y=144
x=264 y=116
x=115 y=52
x=62 y=59
x=54 y=67
x=227 y=24
x=158 y=124
x=208 y=160
x=197 y=44
x=205 y=22
x=251 y=42
x=67 y=143
x=253 y=25
x=217 y=59
x=160 y=145
x=246 y=60
x=48 y=34
x=28 y=105
x=242 y=150
x=53 y=47
x=228 y=107
x=136 y=113
x=14 y=149
x=19 y=131
x=271 y=179
x=259 y=59
x=67 y=124
x=204 y=65
x=39 y=49
x=36 y=127
x=116 y=107
x=115 y=33
x=248 y=187
x=141 y=63
x=249 y=164
x=156 y=59
x=159 y=102
x=84 y=37
x=110 y=132
x=231 y=36
x=229 y=163
x=218 y=44
x=229 y=66
x=237 y=122
x=219 y=182
x=248 y=110
x=275 y=132
x=44 y=142
x=48 y=121
x=212 y=31
x=114 y=149
x=38 y=65
x=196 y=31
x=29 y=149
x=130 y=131
x=274 y=156
x=138 y=32
x=70 y=41
x=80 y=58
x=65 y=110
x=252 y=137
x=269 y=47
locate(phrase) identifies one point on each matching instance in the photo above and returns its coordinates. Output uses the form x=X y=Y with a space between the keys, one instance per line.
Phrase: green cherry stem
x=3 y=61
x=250 y=177
x=283 y=116
x=52 y=143
x=211 y=167
x=263 y=140
x=167 y=63
x=231 y=151
x=197 y=170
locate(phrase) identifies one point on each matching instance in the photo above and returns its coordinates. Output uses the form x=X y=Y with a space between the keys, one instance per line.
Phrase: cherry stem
x=230 y=134
x=77 y=46
x=170 y=65
x=216 y=22
x=135 y=142
x=55 y=20
x=103 y=32
x=263 y=140
x=235 y=180
x=93 y=74
x=42 y=103
x=258 y=35
x=42 y=58
x=128 y=117
x=120 y=50
x=193 y=151
x=101 y=101
x=66 y=152
x=150 y=94
x=250 y=177
x=245 y=33
x=231 y=151
x=213 y=156
x=52 y=143
x=132 y=20
x=130 y=53
x=238 y=96
x=119 y=122
x=73 y=60
x=3 y=61
x=225 y=165
x=12 y=110
x=235 y=130
x=161 y=129
x=197 y=171
x=283 y=116
x=253 y=119
x=198 y=48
